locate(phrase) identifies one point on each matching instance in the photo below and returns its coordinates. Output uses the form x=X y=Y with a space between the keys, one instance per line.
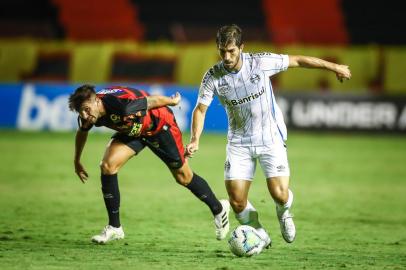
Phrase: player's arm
x=342 y=71
x=157 y=101
x=80 y=141
x=198 y=116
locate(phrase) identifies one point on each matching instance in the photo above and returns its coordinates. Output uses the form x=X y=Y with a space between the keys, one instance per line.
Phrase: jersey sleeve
x=206 y=90
x=83 y=126
x=136 y=106
x=126 y=106
x=273 y=63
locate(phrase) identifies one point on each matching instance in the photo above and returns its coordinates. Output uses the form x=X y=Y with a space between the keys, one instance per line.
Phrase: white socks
x=249 y=216
x=281 y=209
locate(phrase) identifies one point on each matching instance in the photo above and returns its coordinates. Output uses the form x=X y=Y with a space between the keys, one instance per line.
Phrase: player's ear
x=242 y=46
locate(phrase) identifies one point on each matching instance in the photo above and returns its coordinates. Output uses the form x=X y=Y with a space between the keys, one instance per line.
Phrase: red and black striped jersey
x=126 y=112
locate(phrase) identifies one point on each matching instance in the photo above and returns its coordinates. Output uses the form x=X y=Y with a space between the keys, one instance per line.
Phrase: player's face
x=230 y=54
x=89 y=110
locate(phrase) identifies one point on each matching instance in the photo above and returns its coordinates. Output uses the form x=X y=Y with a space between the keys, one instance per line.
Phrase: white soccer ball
x=245 y=241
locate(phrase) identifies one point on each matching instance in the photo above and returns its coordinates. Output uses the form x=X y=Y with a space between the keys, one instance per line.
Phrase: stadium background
x=49 y=47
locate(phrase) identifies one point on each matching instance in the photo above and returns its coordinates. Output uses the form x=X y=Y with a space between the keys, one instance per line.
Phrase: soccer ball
x=245 y=241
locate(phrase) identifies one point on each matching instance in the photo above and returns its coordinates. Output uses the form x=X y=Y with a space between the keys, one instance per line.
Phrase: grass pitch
x=350 y=207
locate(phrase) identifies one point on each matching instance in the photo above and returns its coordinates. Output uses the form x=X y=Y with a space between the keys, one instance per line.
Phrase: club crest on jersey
x=109 y=91
x=223 y=87
x=254 y=78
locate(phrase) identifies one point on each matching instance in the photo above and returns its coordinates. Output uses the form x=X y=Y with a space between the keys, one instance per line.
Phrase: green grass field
x=350 y=207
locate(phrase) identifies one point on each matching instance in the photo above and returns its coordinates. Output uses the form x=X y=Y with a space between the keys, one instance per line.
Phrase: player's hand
x=343 y=72
x=190 y=149
x=176 y=99
x=81 y=172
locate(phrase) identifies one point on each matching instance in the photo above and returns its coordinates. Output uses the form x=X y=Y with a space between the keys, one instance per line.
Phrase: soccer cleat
x=287 y=225
x=221 y=221
x=267 y=242
x=109 y=233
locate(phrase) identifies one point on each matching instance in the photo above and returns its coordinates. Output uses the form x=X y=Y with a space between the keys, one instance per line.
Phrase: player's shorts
x=241 y=161
x=166 y=144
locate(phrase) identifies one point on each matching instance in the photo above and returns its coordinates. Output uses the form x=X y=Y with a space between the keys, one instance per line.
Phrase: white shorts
x=241 y=161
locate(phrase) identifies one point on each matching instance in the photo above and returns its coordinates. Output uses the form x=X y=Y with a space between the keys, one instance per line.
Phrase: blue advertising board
x=45 y=106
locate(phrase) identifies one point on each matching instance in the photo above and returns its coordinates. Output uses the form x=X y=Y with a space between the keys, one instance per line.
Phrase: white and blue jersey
x=254 y=118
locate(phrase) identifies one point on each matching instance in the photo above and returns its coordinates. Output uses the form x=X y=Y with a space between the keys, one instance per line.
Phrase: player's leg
x=117 y=153
x=274 y=163
x=197 y=185
x=239 y=171
x=201 y=189
x=279 y=189
x=168 y=146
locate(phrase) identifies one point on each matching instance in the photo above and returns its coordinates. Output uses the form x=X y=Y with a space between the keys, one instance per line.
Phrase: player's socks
x=249 y=216
x=285 y=218
x=199 y=187
x=111 y=195
x=281 y=208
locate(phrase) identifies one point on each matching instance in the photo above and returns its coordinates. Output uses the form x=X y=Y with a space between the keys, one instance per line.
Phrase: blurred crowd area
x=101 y=41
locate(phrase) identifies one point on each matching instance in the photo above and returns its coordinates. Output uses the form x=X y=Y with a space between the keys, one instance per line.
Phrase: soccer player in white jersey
x=256 y=128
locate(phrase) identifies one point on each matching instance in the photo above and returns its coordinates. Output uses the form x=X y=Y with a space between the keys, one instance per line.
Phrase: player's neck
x=100 y=107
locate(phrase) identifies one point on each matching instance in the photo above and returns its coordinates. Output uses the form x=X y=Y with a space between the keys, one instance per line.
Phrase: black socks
x=199 y=187
x=111 y=195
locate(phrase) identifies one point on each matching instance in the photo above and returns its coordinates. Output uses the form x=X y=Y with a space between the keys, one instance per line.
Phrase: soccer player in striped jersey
x=140 y=120
x=256 y=128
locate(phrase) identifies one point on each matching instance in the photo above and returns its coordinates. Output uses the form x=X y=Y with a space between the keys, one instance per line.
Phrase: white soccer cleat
x=221 y=221
x=287 y=225
x=109 y=233
x=267 y=242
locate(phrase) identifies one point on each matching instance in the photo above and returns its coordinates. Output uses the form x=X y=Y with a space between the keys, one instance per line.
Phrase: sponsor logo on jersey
x=115 y=118
x=254 y=78
x=234 y=102
x=136 y=130
x=109 y=91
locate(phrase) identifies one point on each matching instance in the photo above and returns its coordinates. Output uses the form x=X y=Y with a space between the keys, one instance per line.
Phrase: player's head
x=85 y=102
x=230 y=44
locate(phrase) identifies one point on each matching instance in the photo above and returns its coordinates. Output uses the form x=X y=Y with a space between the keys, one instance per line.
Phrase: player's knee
x=183 y=175
x=238 y=205
x=183 y=178
x=108 y=168
x=280 y=195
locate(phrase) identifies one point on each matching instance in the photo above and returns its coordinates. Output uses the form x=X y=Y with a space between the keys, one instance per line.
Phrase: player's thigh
x=239 y=164
x=237 y=190
x=117 y=153
x=168 y=146
x=273 y=160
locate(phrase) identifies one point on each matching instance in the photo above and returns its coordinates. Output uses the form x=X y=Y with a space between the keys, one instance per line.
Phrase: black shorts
x=166 y=144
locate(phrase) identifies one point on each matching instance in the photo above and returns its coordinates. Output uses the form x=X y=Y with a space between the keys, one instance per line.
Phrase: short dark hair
x=229 y=33
x=80 y=95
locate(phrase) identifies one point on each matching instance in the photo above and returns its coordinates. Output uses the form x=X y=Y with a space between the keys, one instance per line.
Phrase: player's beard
x=231 y=68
